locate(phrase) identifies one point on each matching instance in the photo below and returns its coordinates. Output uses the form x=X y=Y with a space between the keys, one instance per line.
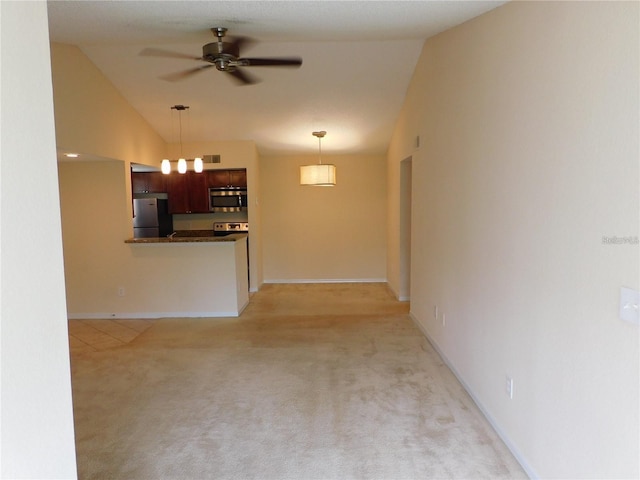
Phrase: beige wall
x=95 y=223
x=177 y=280
x=93 y=118
x=528 y=118
x=36 y=416
x=345 y=224
x=324 y=233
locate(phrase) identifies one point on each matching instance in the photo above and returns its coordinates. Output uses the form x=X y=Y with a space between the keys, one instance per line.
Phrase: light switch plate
x=629 y=301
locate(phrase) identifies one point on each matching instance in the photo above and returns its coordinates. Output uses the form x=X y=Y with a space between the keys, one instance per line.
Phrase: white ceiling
x=358 y=59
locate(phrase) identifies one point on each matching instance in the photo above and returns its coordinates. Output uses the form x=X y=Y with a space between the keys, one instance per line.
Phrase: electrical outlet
x=435 y=312
x=629 y=300
x=444 y=319
x=509 y=386
x=121 y=292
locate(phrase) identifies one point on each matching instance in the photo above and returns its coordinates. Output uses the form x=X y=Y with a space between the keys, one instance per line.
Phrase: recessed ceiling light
x=71 y=155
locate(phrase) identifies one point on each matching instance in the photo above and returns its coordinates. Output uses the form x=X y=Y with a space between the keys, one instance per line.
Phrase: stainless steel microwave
x=227 y=199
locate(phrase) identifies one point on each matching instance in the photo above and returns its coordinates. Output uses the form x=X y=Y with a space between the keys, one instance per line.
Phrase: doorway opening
x=405 y=229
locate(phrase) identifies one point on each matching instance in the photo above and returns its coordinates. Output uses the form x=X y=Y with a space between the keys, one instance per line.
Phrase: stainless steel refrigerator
x=151 y=218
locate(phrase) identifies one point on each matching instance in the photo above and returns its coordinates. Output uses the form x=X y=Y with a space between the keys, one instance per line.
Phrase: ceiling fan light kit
x=320 y=174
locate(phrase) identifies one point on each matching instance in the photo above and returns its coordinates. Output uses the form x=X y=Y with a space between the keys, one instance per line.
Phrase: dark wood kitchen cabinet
x=148 y=182
x=227 y=178
x=188 y=193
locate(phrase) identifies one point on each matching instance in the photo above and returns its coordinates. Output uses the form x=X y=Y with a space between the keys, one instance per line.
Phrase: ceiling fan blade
x=174 y=77
x=270 y=62
x=158 y=52
x=243 y=77
x=240 y=42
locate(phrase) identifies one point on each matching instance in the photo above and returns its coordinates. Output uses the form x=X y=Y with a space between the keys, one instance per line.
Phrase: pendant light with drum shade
x=198 y=166
x=320 y=174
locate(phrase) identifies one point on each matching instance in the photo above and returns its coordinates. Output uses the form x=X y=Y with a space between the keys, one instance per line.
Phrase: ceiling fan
x=225 y=57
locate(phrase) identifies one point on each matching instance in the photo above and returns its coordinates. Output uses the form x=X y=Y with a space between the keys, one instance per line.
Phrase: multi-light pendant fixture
x=320 y=174
x=198 y=165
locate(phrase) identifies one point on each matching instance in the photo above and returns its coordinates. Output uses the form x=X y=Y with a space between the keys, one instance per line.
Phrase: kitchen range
x=222 y=229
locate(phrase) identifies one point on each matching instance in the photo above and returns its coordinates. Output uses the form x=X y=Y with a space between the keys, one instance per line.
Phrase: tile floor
x=95 y=335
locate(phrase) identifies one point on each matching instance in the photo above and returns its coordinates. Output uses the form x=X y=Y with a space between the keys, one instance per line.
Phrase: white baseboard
x=505 y=438
x=150 y=315
x=400 y=298
x=328 y=280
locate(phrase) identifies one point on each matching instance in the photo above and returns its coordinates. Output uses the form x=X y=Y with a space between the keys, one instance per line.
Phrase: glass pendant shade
x=166 y=166
x=198 y=166
x=182 y=165
x=321 y=175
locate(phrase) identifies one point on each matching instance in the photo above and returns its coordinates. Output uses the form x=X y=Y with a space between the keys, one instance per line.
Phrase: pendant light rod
x=180 y=109
x=320 y=135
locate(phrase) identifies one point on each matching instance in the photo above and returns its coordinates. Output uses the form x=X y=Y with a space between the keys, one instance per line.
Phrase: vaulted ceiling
x=358 y=58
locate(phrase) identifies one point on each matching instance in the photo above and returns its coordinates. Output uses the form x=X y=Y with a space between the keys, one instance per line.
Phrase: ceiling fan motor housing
x=220 y=54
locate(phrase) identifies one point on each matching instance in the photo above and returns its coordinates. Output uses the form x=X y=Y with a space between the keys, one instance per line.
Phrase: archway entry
x=405 y=229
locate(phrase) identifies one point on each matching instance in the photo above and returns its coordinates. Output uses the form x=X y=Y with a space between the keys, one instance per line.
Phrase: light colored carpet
x=323 y=381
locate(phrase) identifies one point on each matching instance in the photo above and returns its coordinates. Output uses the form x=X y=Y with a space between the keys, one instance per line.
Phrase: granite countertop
x=189 y=236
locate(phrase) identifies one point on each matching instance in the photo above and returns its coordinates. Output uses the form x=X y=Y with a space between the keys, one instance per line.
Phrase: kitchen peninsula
x=192 y=276
x=189 y=273
x=186 y=238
